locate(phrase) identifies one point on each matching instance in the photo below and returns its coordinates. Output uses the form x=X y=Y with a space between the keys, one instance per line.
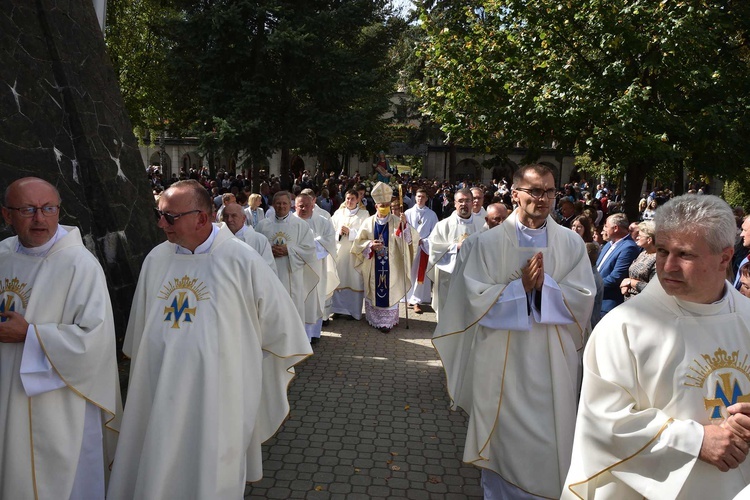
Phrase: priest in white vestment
x=59 y=388
x=666 y=383
x=212 y=346
x=293 y=247
x=509 y=338
x=478 y=212
x=324 y=266
x=235 y=219
x=349 y=296
x=384 y=250
x=445 y=243
x=424 y=220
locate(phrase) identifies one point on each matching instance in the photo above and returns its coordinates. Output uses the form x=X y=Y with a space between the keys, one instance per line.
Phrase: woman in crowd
x=643 y=268
x=254 y=212
x=648 y=214
x=583 y=226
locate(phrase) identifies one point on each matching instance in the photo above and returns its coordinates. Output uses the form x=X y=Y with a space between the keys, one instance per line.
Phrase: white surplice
x=512 y=365
x=59 y=390
x=349 y=295
x=213 y=346
x=294 y=270
x=424 y=221
x=656 y=369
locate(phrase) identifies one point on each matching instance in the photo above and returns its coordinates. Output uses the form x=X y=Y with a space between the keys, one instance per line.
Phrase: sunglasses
x=170 y=218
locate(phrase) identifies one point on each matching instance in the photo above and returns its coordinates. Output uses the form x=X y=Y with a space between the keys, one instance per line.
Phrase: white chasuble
x=43 y=437
x=213 y=347
x=294 y=270
x=444 y=241
x=260 y=243
x=349 y=278
x=656 y=370
x=518 y=387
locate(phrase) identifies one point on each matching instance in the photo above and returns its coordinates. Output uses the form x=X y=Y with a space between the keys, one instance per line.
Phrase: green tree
x=138 y=51
x=631 y=84
x=259 y=76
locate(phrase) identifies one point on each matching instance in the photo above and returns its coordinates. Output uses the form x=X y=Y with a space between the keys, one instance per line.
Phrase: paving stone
x=363 y=400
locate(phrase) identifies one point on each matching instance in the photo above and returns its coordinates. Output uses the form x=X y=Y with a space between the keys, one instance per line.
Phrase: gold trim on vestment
x=582 y=331
x=511 y=483
x=31 y=445
x=76 y=391
x=607 y=469
x=500 y=402
x=293 y=374
x=349 y=288
x=458 y=333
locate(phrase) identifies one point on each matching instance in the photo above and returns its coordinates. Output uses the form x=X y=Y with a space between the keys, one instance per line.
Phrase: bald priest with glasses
x=212 y=347
x=510 y=340
x=59 y=390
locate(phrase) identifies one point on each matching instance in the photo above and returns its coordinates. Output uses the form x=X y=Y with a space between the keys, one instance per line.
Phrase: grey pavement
x=369 y=419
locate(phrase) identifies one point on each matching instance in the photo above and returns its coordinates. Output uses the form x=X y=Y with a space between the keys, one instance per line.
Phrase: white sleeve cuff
x=37 y=374
x=320 y=251
x=681 y=435
x=448 y=261
x=553 y=310
x=510 y=312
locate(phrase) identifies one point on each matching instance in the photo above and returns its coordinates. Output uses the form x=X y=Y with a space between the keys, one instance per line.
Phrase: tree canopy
x=633 y=84
x=261 y=75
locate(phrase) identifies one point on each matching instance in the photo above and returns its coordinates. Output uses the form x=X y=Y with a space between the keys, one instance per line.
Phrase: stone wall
x=62 y=118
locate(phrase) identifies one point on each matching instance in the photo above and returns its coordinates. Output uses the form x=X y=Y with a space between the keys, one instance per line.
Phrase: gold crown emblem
x=720 y=360
x=16 y=287
x=184 y=283
x=280 y=238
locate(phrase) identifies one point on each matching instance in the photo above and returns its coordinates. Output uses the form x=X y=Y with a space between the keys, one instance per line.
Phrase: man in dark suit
x=615 y=259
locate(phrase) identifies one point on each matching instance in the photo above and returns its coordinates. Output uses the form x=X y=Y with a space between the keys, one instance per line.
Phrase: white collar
x=42 y=250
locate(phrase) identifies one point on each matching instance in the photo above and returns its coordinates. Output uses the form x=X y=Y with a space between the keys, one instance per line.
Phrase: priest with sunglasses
x=212 y=348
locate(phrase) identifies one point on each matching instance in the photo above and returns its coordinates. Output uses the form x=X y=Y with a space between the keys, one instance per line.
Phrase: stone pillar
x=62 y=118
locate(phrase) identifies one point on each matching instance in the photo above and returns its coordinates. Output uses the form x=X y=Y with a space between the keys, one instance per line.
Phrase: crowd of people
x=523 y=275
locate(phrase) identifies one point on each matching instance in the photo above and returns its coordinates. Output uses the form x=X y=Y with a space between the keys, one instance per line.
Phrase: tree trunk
x=634 y=177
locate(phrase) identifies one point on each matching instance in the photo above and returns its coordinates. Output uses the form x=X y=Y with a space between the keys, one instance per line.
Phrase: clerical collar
x=420 y=209
x=470 y=220
x=353 y=212
x=382 y=221
x=282 y=219
x=42 y=250
x=203 y=247
x=724 y=305
x=240 y=232
x=528 y=237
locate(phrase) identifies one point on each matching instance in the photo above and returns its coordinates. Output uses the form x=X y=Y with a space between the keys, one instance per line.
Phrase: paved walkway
x=369 y=419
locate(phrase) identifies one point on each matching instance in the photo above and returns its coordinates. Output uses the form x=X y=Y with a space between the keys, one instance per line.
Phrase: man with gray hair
x=666 y=383
x=615 y=259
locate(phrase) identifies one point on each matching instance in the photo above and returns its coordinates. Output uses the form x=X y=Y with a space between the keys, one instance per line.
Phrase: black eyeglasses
x=538 y=193
x=170 y=218
x=47 y=210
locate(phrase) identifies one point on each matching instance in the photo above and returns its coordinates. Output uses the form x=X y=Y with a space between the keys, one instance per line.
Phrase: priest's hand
x=376 y=245
x=739 y=420
x=14 y=328
x=532 y=274
x=722 y=448
x=279 y=250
